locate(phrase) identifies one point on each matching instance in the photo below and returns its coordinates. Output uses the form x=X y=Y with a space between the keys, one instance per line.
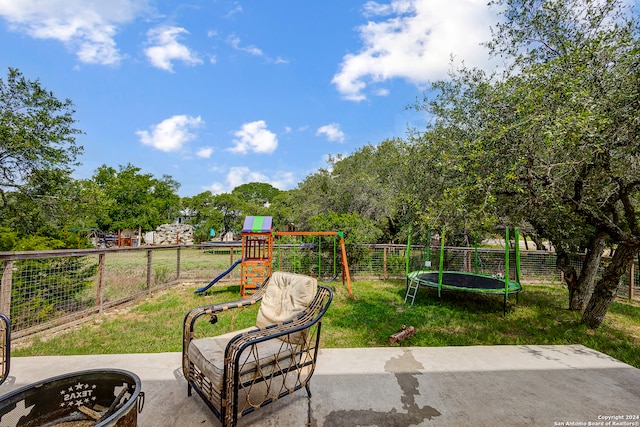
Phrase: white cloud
x=242 y=175
x=87 y=27
x=216 y=188
x=204 y=152
x=171 y=134
x=166 y=48
x=332 y=132
x=234 y=10
x=254 y=137
x=235 y=42
x=414 y=40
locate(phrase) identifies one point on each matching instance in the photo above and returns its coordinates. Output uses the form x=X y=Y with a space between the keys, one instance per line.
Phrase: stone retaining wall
x=170 y=234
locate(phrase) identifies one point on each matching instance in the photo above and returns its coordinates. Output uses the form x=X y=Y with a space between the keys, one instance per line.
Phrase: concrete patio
x=397 y=386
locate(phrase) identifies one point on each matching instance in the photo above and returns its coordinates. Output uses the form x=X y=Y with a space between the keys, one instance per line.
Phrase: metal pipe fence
x=45 y=289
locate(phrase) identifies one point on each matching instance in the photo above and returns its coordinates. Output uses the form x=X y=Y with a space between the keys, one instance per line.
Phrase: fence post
x=7 y=278
x=101 y=259
x=631 y=280
x=384 y=263
x=149 y=265
x=178 y=264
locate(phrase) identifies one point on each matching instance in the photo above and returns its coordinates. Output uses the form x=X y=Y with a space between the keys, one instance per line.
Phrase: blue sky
x=218 y=93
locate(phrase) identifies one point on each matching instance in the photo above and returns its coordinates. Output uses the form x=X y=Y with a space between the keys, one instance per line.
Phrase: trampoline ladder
x=412 y=290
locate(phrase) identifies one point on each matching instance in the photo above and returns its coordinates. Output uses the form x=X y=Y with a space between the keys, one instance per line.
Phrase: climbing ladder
x=412 y=290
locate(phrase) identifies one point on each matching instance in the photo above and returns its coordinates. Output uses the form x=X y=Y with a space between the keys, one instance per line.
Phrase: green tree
x=232 y=210
x=137 y=200
x=60 y=281
x=257 y=193
x=358 y=231
x=88 y=206
x=38 y=151
x=552 y=140
x=283 y=209
x=203 y=215
x=372 y=182
x=581 y=59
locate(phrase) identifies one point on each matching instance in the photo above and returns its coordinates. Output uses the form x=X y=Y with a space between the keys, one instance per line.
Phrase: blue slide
x=220 y=276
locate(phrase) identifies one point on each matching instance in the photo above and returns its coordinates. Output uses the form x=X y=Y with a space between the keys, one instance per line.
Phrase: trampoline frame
x=506 y=288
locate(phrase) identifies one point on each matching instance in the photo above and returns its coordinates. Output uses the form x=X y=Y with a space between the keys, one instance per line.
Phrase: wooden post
x=467 y=257
x=149 y=264
x=178 y=264
x=345 y=267
x=632 y=280
x=101 y=259
x=384 y=263
x=7 y=278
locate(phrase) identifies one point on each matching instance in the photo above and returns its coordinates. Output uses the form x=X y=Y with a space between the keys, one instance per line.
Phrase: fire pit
x=100 y=398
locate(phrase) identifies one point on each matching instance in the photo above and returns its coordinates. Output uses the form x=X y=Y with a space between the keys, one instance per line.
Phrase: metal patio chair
x=238 y=372
x=5 y=347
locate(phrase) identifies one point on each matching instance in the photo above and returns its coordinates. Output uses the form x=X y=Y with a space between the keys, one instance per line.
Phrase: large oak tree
x=552 y=138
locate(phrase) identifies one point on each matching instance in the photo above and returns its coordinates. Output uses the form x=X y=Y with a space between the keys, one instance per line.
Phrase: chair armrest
x=305 y=320
x=5 y=347
x=211 y=310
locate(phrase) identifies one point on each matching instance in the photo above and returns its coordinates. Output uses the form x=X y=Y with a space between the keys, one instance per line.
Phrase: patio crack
x=406 y=370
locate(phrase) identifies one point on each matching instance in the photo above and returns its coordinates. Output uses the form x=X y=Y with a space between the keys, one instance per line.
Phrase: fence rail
x=45 y=289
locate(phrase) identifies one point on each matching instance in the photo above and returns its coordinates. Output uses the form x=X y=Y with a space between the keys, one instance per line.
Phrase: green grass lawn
x=377 y=311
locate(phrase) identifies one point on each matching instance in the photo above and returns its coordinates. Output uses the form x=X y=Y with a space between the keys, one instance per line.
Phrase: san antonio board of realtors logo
x=79 y=394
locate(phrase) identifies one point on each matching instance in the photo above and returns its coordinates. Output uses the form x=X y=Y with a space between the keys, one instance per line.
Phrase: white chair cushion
x=287 y=296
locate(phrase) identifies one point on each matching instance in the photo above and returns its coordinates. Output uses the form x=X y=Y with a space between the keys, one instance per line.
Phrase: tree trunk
x=606 y=289
x=570 y=275
x=538 y=242
x=581 y=286
x=587 y=277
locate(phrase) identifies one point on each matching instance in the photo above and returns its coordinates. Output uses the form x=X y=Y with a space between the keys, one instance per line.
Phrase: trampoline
x=463 y=281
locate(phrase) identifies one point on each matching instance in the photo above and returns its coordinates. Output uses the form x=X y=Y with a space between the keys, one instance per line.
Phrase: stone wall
x=170 y=234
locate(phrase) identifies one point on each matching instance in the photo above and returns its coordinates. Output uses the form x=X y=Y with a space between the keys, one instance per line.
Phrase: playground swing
x=317 y=257
x=325 y=262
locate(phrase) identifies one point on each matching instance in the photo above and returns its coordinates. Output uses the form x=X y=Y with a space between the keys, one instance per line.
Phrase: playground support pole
x=346 y=277
x=279 y=254
x=295 y=255
x=518 y=272
x=441 y=266
x=319 y=255
x=506 y=259
x=516 y=237
x=506 y=268
x=345 y=264
x=429 y=245
x=407 y=254
x=335 y=249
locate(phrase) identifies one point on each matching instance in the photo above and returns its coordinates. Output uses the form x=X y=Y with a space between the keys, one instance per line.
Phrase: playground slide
x=220 y=276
